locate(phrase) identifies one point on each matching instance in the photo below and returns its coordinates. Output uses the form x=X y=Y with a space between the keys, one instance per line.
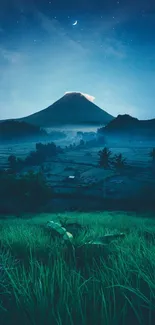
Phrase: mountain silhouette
x=13 y=130
x=126 y=124
x=71 y=109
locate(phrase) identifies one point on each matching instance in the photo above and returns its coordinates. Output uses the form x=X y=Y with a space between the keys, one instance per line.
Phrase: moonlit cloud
x=89 y=97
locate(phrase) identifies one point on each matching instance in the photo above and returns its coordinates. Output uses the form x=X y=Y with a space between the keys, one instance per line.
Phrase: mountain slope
x=71 y=109
x=126 y=124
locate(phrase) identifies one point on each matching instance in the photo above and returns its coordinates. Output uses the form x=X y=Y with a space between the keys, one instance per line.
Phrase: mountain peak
x=130 y=125
x=122 y=122
x=78 y=94
x=73 y=94
x=74 y=108
x=126 y=117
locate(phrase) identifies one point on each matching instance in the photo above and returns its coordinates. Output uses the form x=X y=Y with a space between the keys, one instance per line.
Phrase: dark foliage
x=48 y=150
x=147 y=194
x=105 y=158
x=82 y=143
x=152 y=155
x=27 y=193
x=35 y=158
x=119 y=162
x=15 y=164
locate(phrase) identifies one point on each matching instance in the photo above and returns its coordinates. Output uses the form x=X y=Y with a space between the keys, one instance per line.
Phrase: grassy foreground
x=45 y=283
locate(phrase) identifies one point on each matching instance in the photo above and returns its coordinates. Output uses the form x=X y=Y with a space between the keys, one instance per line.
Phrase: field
x=45 y=282
x=137 y=155
x=89 y=179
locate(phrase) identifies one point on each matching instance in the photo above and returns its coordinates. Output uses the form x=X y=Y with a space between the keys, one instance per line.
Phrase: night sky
x=109 y=54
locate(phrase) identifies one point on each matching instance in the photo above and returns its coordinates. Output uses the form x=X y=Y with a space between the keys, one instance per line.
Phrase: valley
x=76 y=177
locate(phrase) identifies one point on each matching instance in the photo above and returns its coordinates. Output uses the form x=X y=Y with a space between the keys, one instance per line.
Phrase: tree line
x=13 y=129
x=35 y=158
x=106 y=159
x=27 y=193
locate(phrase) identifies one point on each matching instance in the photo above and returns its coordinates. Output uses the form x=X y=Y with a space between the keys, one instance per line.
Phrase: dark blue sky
x=109 y=54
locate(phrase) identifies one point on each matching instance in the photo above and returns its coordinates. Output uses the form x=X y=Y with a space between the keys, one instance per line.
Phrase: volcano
x=71 y=109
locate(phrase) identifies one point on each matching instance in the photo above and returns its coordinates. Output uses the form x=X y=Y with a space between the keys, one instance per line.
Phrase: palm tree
x=12 y=160
x=119 y=162
x=104 y=157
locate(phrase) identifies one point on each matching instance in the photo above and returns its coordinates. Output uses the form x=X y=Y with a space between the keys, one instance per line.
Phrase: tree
x=15 y=164
x=82 y=143
x=79 y=134
x=36 y=193
x=152 y=155
x=12 y=160
x=43 y=151
x=119 y=161
x=105 y=157
x=48 y=150
x=34 y=158
x=26 y=193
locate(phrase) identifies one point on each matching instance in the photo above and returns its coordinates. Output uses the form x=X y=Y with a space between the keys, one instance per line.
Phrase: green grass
x=43 y=282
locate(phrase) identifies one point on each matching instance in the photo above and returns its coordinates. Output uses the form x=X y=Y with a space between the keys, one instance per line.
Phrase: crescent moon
x=75 y=23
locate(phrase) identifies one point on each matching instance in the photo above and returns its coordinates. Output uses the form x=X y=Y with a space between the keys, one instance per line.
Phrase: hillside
x=126 y=124
x=12 y=130
x=71 y=109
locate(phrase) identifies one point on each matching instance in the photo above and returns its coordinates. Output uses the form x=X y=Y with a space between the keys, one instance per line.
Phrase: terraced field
x=89 y=178
x=138 y=156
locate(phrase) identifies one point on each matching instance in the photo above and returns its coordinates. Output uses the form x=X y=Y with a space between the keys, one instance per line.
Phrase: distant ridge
x=126 y=124
x=13 y=130
x=71 y=109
